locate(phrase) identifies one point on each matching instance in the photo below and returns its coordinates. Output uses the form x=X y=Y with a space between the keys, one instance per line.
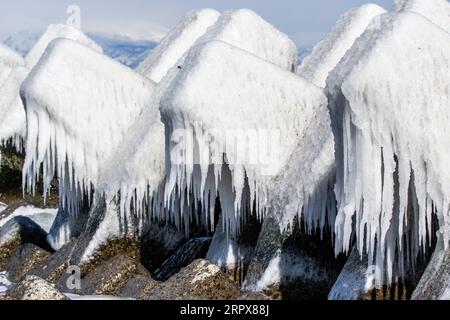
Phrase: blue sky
x=304 y=20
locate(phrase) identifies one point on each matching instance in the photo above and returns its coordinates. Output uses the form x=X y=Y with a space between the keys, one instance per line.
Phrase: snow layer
x=328 y=52
x=248 y=31
x=223 y=95
x=43 y=217
x=389 y=101
x=437 y=11
x=80 y=105
x=176 y=43
x=12 y=114
x=53 y=32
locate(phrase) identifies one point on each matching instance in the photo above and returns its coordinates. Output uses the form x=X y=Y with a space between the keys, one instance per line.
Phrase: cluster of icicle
x=12 y=114
x=391 y=129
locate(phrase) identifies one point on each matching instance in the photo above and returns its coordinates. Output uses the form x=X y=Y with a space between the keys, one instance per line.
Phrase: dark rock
x=26 y=257
x=435 y=282
x=55 y=266
x=35 y=288
x=138 y=287
x=111 y=276
x=253 y=296
x=190 y=251
x=306 y=264
x=17 y=231
x=201 y=280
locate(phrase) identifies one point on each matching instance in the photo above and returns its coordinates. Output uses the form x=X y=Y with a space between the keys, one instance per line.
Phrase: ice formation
x=177 y=43
x=54 y=32
x=437 y=11
x=12 y=114
x=388 y=98
x=328 y=52
x=77 y=115
x=248 y=31
x=228 y=106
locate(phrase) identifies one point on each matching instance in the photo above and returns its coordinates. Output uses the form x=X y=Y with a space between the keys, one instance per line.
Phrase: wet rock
x=35 y=288
x=25 y=258
x=435 y=282
x=292 y=265
x=201 y=280
x=17 y=231
x=138 y=287
x=192 y=250
x=111 y=276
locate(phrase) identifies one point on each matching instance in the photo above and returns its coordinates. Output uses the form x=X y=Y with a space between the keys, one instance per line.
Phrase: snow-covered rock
x=437 y=11
x=221 y=95
x=77 y=116
x=176 y=43
x=248 y=31
x=12 y=114
x=53 y=32
x=43 y=217
x=388 y=100
x=328 y=52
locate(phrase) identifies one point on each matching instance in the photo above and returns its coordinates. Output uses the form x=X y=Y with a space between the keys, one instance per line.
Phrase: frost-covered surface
x=53 y=32
x=328 y=52
x=5 y=284
x=212 y=102
x=43 y=217
x=437 y=11
x=176 y=43
x=248 y=31
x=80 y=106
x=389 y=101
x=12 y=114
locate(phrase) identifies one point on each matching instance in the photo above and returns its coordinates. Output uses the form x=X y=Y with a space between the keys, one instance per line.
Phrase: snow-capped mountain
x=125 y=50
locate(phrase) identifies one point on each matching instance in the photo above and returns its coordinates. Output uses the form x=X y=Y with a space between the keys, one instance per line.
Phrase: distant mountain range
x=123 y=49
